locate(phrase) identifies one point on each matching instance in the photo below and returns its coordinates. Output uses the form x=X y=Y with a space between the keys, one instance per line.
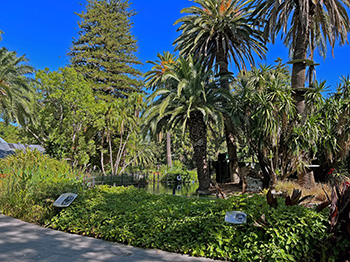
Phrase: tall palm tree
x=221 y=31
x=154 y=79
x=15 y=89
x=301 y=22
x=192 y=103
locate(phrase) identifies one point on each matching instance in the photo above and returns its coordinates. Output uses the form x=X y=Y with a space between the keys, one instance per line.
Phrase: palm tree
x=221 y=31
x=192 y=103
x=15 y=90
x=154 y=79
x=302 y=22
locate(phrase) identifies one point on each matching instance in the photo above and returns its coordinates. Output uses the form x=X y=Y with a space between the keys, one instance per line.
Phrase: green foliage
x=229 y=21
x=33 y=161
x=154 y=78
x=327 y=21
x=74 y=125
x=10 y=133
x=104 y=51
x=65 y=120
x=164 y=173
x=196 y=226
x=334 y=111
x=31 y=182
x=189 y=99
x=16 y=93
x=263 y=110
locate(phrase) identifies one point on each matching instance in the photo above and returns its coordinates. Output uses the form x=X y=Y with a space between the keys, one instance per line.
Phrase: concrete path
x=24 y=242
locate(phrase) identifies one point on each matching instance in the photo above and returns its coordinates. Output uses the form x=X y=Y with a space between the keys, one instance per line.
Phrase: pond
x=184 y=189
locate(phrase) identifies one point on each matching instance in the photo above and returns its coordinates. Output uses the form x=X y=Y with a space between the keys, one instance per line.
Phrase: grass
x=319 y=192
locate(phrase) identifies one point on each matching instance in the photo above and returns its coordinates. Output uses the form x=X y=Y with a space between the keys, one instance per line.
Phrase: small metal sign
x=254 y=184
x=236 y=217
x=65 y=200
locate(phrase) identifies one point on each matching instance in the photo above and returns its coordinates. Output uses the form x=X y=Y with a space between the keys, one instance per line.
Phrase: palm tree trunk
x=168 y=149
x=299 y=70
x=198 y=136
x=305 y=178
x=229 y=128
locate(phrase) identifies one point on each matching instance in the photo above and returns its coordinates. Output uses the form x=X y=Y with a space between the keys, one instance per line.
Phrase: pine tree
x=104 y=50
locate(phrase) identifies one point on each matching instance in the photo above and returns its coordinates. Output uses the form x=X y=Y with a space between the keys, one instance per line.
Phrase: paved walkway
x=24 y=242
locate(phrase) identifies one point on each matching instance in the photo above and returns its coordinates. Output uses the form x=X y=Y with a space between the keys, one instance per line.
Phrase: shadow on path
x=21 y=241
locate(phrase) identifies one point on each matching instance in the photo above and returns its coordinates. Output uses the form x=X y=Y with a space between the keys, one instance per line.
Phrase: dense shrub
x=30 y=183
x=196 y=226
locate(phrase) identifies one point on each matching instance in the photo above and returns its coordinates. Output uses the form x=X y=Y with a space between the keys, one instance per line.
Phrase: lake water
x=185 y=189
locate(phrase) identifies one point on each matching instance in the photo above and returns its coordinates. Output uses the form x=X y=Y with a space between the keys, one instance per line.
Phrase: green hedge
x=196 y=226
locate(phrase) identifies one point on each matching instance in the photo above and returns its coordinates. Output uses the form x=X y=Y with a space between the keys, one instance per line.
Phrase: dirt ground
x=225 y=189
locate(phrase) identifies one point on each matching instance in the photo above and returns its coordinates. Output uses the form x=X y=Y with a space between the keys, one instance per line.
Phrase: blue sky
x=43 y=30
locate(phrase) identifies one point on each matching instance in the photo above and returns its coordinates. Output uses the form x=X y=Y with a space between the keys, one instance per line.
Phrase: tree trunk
x=299 y=69
x=102 y=164
x=110 y=152
x=306 y=179
x=229 y=128
x=198 y=136
x=267 y=181
x=232 y=152
x=168 y=149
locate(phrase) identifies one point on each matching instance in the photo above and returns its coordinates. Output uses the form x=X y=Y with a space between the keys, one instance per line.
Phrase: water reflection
x=184 y=189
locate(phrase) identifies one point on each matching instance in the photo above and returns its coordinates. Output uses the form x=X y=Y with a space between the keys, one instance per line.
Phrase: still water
x=185 y=189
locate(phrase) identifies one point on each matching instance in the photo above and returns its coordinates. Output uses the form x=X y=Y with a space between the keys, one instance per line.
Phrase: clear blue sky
x=43 y=31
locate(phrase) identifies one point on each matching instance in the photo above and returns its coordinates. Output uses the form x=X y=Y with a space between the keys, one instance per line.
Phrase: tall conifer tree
x=104 y=50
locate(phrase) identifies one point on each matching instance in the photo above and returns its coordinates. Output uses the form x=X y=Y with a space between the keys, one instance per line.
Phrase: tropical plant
x=334 y=142
x=221 y=31
x=192 y=104
x=302 y=23
x=262 y=106
x=16 y=93
x=154 y=79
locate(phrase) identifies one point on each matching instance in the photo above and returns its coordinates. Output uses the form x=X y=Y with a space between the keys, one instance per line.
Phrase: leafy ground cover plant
x=196 y=226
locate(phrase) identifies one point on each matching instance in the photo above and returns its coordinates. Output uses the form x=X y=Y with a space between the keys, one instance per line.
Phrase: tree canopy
x=104 y=51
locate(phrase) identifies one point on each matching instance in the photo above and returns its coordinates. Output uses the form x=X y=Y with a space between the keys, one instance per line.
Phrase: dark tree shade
x=104 y=50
